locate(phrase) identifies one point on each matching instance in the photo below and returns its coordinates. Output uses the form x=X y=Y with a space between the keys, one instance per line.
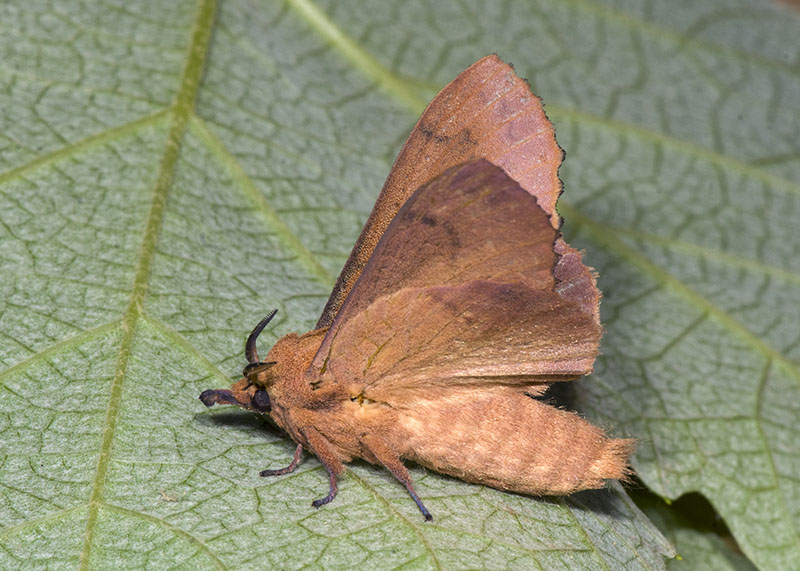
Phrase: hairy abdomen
x=503 y=438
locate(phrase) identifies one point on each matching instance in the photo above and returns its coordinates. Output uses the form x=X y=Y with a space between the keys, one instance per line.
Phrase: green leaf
x=170 y=171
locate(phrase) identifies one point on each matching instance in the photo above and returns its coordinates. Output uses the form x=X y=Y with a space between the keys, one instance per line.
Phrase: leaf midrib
x=182 y=111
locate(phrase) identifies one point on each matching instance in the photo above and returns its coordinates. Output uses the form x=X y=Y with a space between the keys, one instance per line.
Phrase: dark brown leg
x=322 y=450
x=333 y=488
x=391 y=461
x=298 y=454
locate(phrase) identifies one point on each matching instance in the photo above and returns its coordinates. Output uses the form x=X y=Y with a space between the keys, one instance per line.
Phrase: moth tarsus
x=298 y=455
x=389 y=459
x=459 y=305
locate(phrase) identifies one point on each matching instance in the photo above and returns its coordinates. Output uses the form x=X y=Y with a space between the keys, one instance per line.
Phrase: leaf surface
x=170 y=171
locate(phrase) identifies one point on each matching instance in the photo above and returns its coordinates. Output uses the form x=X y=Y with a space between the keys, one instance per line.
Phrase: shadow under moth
x=460 y=302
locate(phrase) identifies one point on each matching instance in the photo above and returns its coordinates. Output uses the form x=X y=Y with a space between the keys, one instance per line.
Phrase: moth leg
x=391 y=461
x=322 y=450
x=298 y=454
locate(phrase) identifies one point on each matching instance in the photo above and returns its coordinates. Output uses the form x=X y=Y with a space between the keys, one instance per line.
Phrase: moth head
x=250 y=392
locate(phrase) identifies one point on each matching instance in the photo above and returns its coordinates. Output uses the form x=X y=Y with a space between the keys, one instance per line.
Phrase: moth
x=459 y=304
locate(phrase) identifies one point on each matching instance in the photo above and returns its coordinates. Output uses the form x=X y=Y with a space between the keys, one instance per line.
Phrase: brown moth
x=459 y=304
